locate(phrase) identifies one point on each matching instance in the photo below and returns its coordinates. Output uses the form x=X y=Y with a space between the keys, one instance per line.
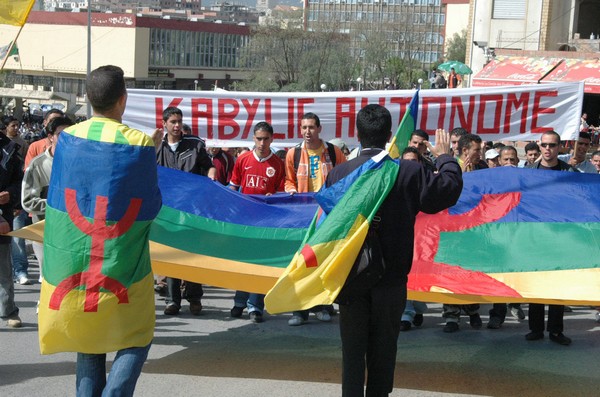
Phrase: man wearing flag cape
x=97 y=294
x=361 y=251
x=371 y=305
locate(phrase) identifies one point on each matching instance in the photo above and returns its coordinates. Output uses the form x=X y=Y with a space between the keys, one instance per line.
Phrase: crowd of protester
x=175 y=141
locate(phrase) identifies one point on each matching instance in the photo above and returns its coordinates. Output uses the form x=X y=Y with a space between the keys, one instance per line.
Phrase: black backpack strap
x=332 y=155
x=297 y=153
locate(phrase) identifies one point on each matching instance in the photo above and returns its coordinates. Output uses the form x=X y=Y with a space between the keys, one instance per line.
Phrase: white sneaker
x=598 y=316
x=323 y=316
x=14 y=321
x=23 y=280
x=296 y=320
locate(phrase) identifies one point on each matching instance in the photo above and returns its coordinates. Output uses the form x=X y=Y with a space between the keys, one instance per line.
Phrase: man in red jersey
x=256 y=172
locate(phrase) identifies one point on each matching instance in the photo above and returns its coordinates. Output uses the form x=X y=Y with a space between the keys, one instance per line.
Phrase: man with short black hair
x=578 y=160
x=418 y=140
x=508 y=157
x=34 y=190
x=21 y=219
x=185 y=153
x=455 y=135
x=550 y=144
x=469 y=153
x=469 y=159
x=11 y=174
x=95 y=301
x=532 y=153
x=38 y=147
x=257 y=172
x=596 y=160
x=306 y=168
x=370 y=316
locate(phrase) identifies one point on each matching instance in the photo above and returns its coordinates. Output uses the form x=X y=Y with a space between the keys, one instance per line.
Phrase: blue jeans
x=18 y=246
x=91 y=373
x=254 y=302
x=7 y=288
x=412 y=308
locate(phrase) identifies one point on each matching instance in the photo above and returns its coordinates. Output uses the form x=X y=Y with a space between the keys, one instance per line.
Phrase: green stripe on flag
x=364 y=197
x=522 y=247
x=71 y=246
x=269 y=246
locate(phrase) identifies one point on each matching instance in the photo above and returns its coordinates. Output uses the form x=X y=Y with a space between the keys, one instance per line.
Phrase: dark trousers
x=500 y=309
x=555 y=318
x=369 y=328
x=193 y=291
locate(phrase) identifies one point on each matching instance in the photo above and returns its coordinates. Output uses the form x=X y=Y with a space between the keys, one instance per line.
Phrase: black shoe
x=494 y=323
x=560 y=339
x=475 y=321
x=405 y=325
x=161 y=290
x=172 y=309
x=451 y=327
x=534 y=335
x=195 y=308
x=256 y=317
x=418 y=320
x=236 y=312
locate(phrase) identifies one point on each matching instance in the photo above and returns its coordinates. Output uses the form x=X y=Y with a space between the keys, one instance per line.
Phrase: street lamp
x=323 y=87
x=359 y=81
x=195 y=85
x=420 y=81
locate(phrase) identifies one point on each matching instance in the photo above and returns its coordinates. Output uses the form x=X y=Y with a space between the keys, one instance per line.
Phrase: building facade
x=415 y=28
x=153 y=52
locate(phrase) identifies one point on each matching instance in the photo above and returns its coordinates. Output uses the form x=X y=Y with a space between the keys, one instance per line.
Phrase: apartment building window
x=509 y=9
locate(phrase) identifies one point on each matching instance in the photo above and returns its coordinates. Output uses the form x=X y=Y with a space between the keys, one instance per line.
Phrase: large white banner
x=226 y=118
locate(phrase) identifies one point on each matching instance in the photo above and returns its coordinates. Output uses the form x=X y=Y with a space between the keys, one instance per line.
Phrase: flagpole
x=12 y=44
x=89 y=55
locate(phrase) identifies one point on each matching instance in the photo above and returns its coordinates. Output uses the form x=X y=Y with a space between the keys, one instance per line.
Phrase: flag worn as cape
x=97 y=293
x=320 y=267
x=15 y=12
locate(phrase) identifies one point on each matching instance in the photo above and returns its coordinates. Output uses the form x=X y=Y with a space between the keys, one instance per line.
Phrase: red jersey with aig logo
x=258 y=176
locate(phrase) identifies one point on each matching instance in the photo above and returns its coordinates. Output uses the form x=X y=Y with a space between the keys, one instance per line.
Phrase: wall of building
x=456 y=20
x=53 y=51
x=57 y=48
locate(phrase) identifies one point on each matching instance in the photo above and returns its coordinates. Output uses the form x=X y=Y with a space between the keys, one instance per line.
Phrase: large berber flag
x=97 y=293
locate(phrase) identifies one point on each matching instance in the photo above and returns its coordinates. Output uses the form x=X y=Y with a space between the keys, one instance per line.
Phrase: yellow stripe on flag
x=302 y=287
x=113 y=327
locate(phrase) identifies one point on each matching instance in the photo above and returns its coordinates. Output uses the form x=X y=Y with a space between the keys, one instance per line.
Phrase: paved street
x=215 y=355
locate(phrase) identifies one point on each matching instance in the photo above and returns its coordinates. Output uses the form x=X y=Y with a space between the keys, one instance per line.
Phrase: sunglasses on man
x=549 y=145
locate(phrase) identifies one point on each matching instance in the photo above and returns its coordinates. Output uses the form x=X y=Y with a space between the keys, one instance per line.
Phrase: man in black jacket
x=11 y=175
x=370 y=320
x=185 y=153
